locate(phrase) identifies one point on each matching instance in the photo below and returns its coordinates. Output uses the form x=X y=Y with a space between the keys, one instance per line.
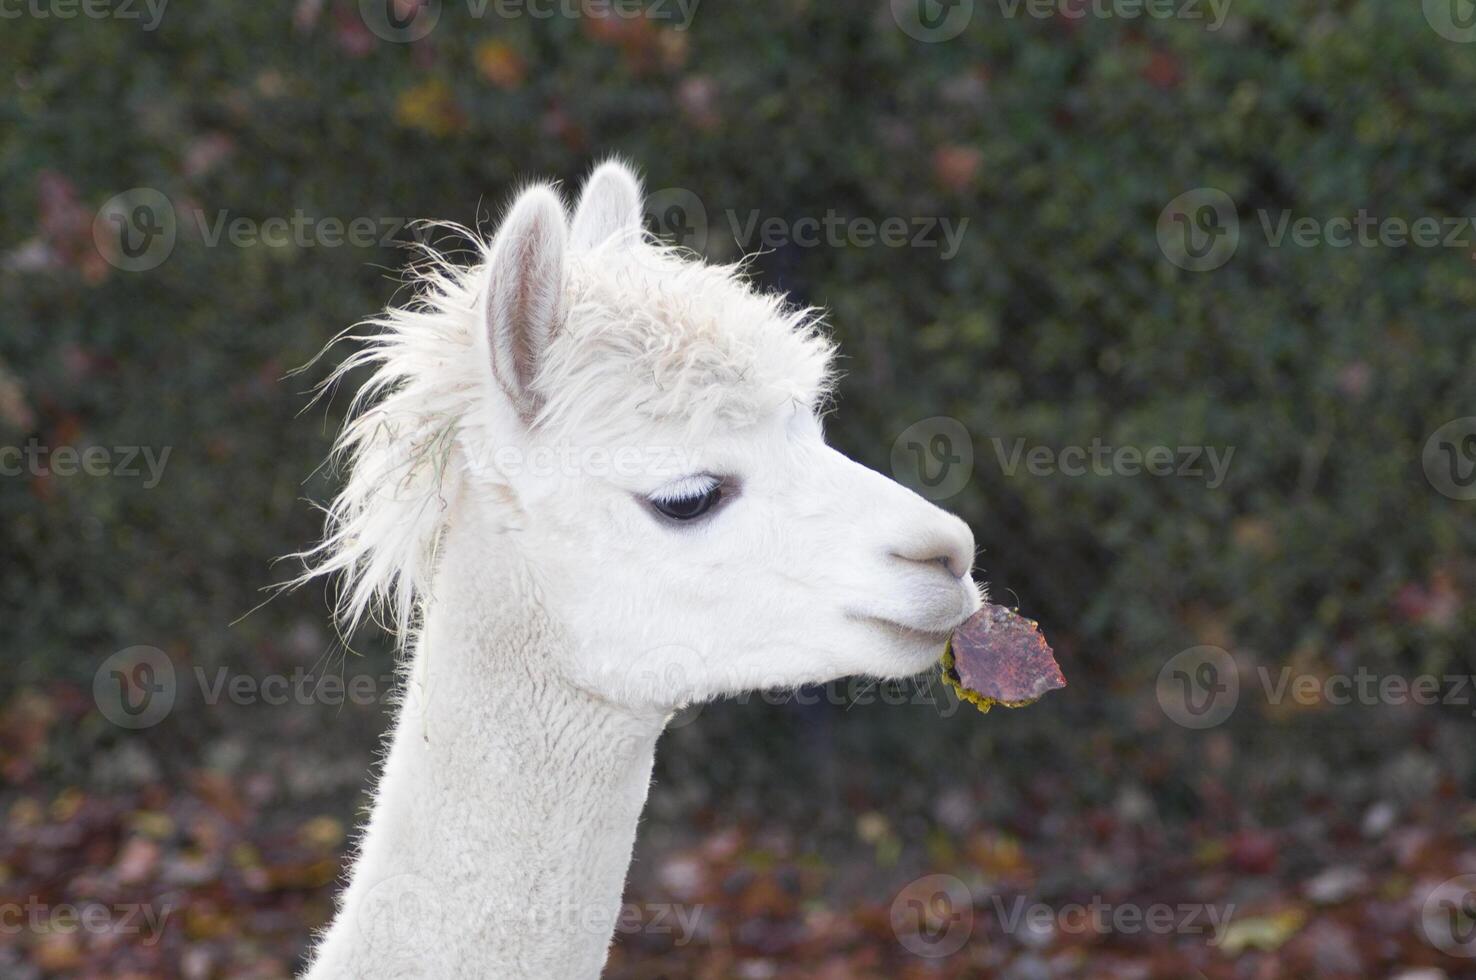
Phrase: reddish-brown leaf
x=999 y=656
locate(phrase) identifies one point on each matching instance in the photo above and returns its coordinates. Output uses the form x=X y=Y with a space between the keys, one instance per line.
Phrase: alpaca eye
x=690 y=499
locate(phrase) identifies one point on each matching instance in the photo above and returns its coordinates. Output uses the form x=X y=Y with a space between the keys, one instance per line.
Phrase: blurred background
x=1170 y=299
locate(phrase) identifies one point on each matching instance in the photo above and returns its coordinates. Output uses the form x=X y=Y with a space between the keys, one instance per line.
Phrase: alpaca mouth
x=910 y=632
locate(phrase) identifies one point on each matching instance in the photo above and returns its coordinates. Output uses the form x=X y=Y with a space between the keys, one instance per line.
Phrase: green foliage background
x=1061 y=141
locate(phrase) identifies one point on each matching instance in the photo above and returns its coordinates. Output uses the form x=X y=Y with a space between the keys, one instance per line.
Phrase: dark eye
x=688 y=503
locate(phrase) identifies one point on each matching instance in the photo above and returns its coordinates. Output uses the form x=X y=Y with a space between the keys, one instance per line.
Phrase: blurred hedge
x=1059 y=321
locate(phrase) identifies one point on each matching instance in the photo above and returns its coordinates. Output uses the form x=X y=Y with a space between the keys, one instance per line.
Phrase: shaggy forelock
x=652 y=337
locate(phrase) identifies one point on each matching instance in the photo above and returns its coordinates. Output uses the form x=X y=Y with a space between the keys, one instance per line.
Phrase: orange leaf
x=499 y=63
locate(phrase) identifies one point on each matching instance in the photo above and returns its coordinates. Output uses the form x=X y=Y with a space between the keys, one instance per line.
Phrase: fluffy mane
x=650 y=337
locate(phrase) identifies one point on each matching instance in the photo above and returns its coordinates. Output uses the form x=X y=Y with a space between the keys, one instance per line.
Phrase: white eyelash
x=686 y=488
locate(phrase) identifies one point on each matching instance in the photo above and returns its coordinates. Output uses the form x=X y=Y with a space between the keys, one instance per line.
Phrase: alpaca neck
x=504 y=822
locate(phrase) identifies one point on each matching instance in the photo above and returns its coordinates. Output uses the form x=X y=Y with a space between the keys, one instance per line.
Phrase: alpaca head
x=642 y=431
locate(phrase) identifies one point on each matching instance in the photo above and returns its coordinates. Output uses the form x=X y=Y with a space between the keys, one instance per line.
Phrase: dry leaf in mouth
x=999 y=657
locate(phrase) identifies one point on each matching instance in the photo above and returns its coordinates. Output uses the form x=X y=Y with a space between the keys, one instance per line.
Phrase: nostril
x=957 y=567
x=953 y=552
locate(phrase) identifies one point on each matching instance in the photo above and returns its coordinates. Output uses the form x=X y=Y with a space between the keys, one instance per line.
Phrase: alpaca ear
x=525 y=292
x=610 y=205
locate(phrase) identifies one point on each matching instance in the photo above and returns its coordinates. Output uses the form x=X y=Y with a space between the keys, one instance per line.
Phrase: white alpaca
x=589 y=484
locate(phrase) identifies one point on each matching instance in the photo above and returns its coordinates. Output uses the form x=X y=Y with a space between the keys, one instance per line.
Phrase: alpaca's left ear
x=609 y=206
x=525 y=293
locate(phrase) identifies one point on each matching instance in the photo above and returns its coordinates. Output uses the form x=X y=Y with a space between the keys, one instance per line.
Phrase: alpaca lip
x=908 y=630
x=939 y=631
